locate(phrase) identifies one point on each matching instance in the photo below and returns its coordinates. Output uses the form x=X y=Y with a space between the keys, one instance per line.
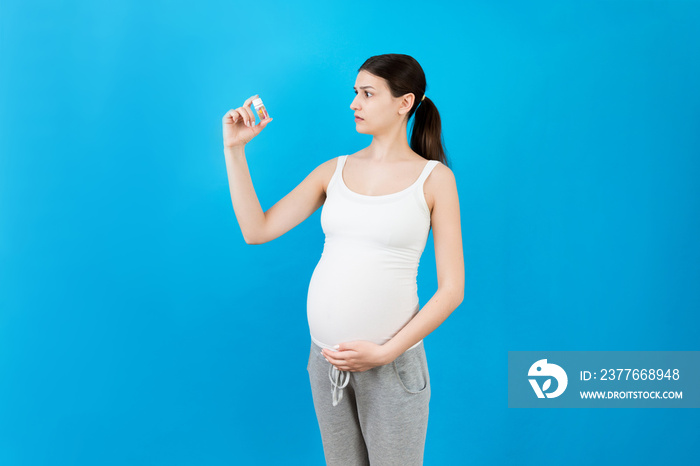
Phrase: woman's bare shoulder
x=440 y=178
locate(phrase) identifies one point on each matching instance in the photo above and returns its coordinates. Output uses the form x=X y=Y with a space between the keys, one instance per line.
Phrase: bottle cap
x=257 y=102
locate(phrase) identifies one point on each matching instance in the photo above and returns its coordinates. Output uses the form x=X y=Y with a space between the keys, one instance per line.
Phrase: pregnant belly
x=352 y=303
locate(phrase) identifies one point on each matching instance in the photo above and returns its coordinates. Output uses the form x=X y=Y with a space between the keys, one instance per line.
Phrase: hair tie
x=423 y=98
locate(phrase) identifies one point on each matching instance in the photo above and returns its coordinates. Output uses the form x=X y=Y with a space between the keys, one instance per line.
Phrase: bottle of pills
x=260 y=108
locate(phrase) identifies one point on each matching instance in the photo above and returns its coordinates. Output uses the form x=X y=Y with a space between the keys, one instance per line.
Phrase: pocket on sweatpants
x=411 y=369
x=311 y=357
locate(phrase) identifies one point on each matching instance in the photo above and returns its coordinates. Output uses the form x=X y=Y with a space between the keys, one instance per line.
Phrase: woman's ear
x=406 y=103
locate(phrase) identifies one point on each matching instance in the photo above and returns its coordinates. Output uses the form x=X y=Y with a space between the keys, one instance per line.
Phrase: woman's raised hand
x=239 y=125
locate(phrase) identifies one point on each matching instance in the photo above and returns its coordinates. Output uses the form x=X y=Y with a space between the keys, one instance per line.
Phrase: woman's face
x=379 y=110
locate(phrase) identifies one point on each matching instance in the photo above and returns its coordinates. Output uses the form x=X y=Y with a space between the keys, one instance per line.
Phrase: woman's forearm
x=433 y=314
x=246 y=205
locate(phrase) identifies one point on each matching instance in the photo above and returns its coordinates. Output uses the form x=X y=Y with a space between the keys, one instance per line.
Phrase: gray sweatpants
x=380 y=416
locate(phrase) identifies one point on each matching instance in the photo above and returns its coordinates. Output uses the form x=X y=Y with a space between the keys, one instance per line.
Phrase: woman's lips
x=358 y=119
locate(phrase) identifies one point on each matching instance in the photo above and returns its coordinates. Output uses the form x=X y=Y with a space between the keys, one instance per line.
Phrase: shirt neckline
x=379 y=196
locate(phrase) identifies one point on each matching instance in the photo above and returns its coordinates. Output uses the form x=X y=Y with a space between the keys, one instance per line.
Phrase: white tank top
x=364 y=286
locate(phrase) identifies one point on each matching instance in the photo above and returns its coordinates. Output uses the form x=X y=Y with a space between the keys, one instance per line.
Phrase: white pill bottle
x=260 y=109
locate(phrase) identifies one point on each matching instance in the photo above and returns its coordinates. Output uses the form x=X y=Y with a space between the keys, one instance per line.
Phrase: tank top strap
x=337 y=173
x=426 y=171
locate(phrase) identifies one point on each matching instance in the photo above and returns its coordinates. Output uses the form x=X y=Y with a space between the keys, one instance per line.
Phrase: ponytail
x=426 y=135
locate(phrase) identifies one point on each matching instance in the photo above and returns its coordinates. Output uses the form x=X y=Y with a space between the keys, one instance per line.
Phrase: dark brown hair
x=403 y=75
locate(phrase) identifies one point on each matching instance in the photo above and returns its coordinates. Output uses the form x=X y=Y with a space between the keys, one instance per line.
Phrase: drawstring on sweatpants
x=336 y=376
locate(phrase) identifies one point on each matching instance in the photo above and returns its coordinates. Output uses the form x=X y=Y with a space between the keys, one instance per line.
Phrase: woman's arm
x=246 y=205
x=260 y=227
x=449 y=258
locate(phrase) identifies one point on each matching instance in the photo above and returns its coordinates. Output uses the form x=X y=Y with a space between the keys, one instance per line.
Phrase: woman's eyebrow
x=364 y=87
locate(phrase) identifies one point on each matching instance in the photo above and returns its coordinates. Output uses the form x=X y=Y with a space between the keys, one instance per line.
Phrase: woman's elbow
x=254 y=240
x=456 y=294
x=460 y=297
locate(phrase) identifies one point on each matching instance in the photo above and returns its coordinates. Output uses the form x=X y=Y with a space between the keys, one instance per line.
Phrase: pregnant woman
x=367 y=365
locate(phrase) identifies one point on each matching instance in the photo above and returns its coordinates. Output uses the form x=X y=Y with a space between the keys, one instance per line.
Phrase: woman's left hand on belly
x=357 y=356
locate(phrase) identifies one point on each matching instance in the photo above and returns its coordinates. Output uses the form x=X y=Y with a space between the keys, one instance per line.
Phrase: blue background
x=137 y=327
